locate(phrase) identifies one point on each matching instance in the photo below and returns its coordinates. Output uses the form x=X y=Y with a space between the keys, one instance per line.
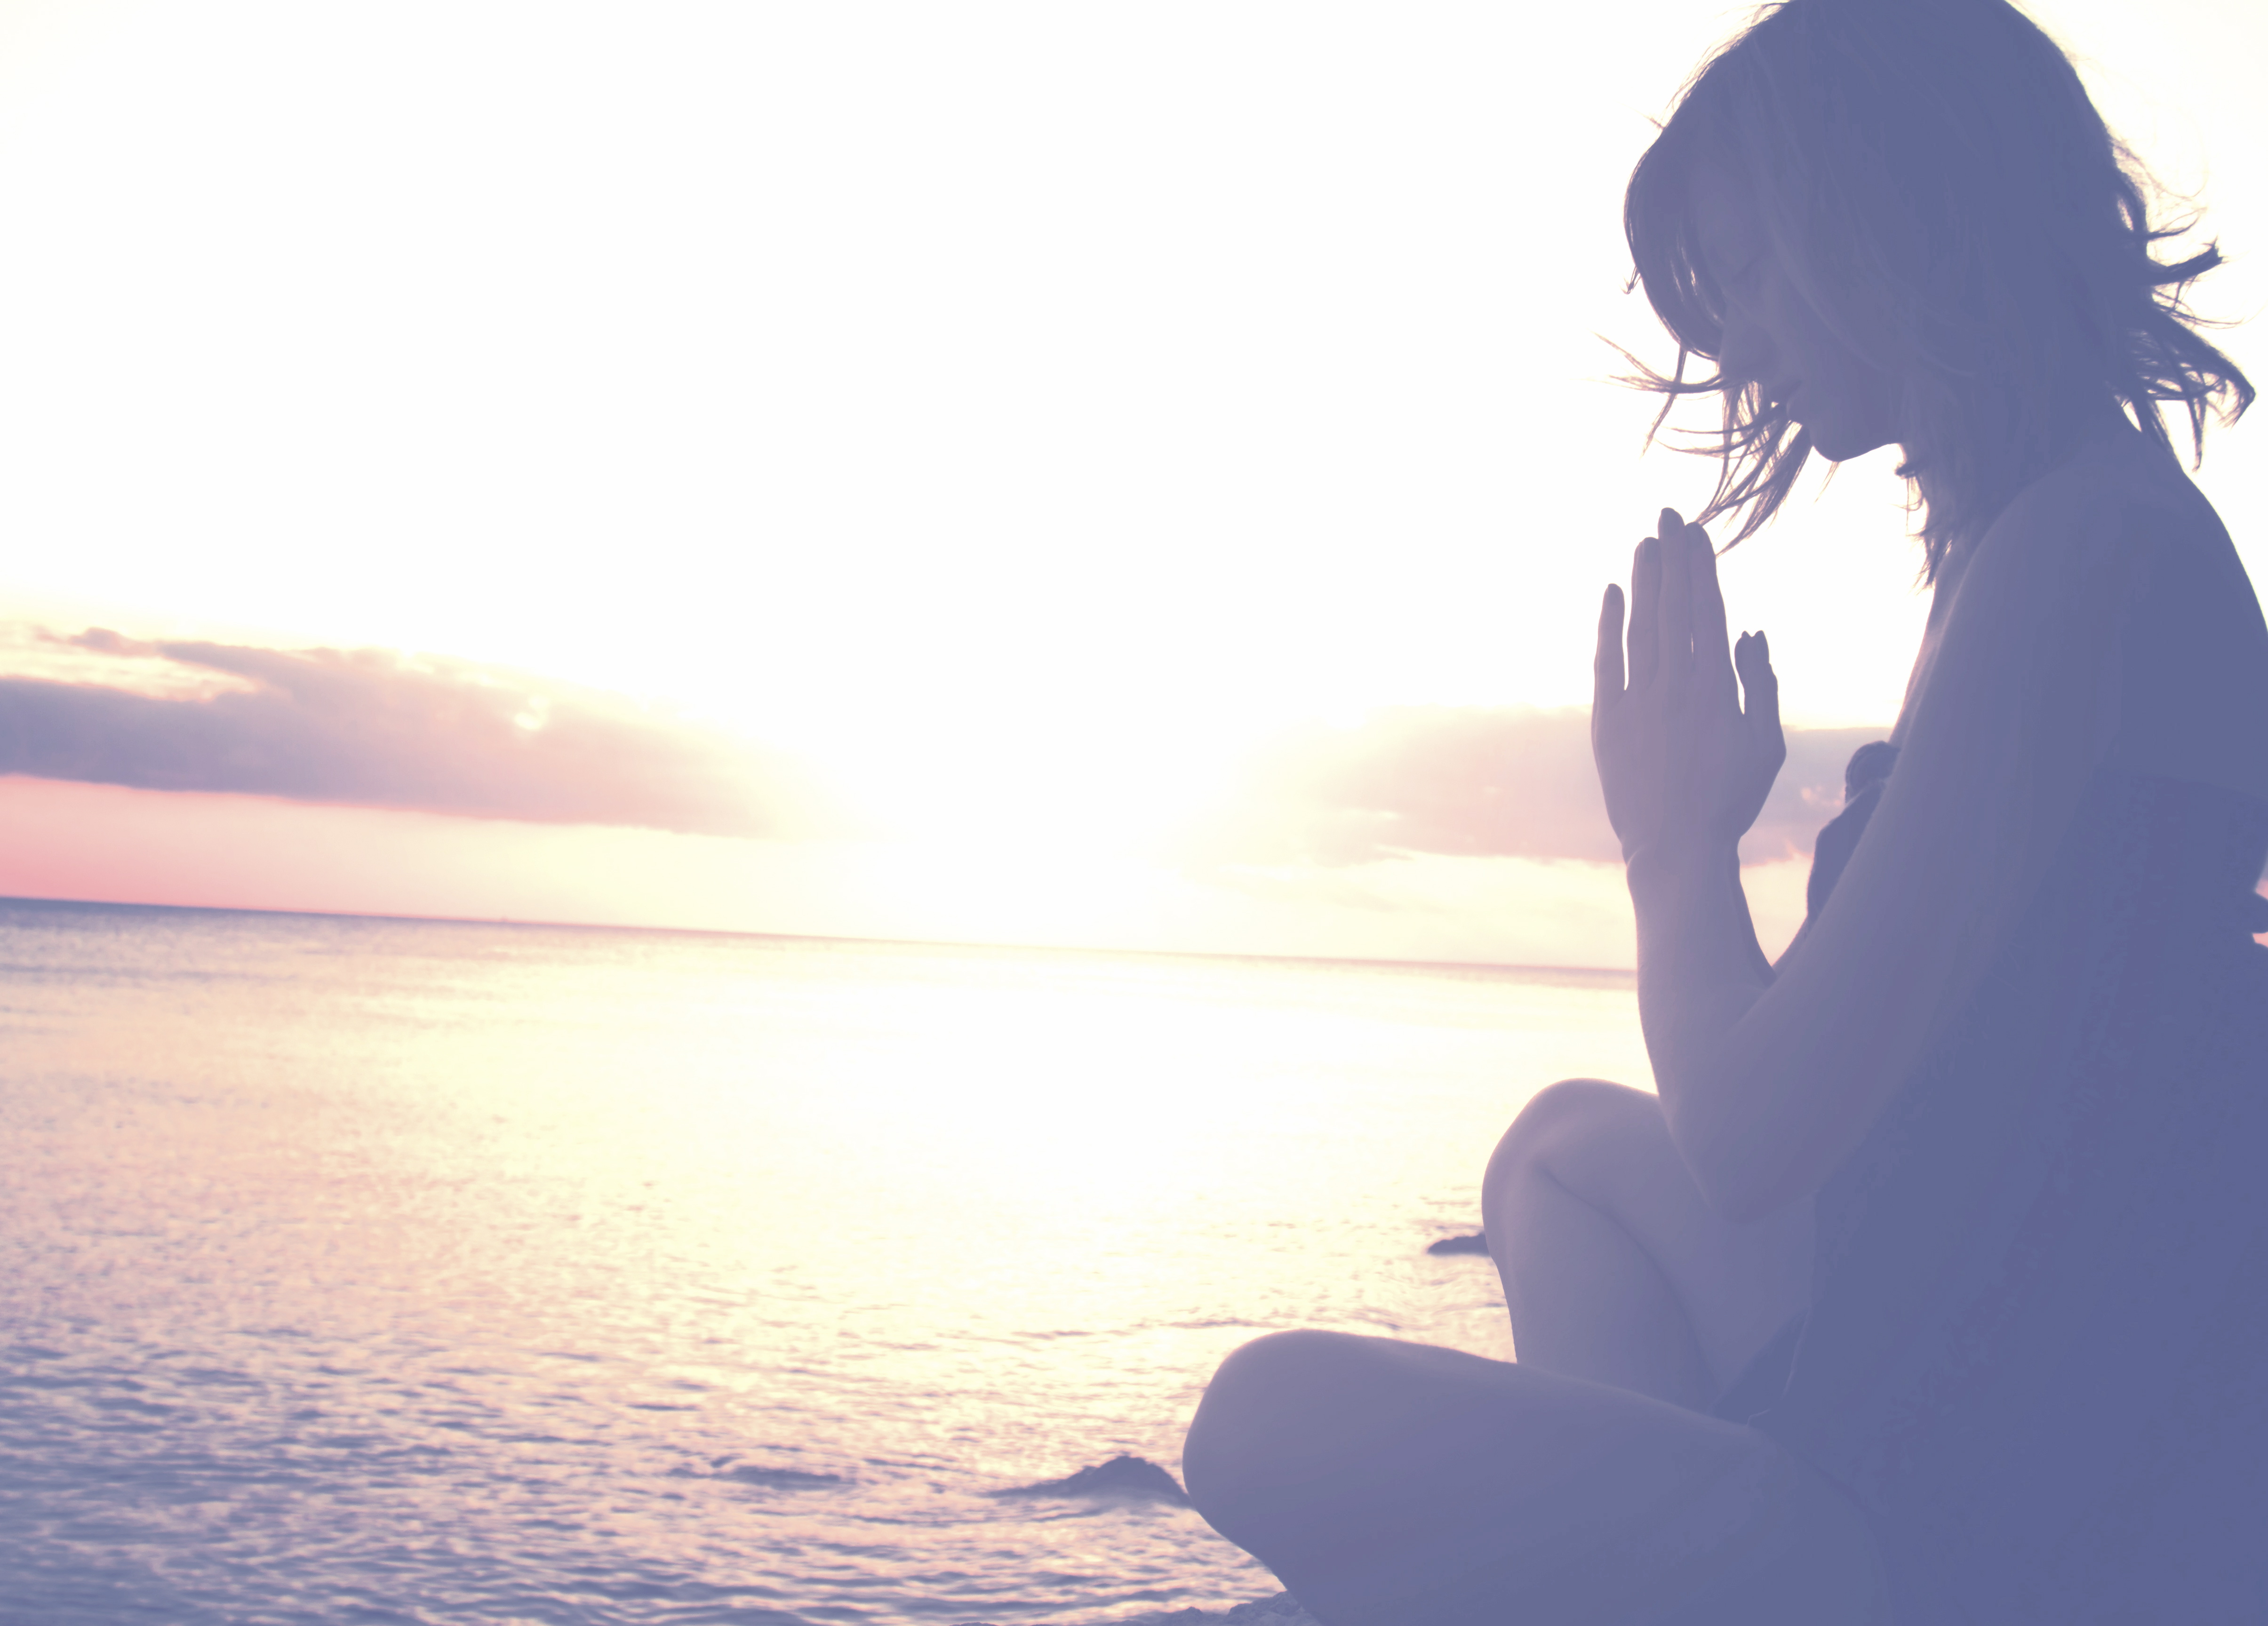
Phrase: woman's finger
x=1644 y=612
x=1607 y=664
x=1760 y=697
x=1712 y=656
x=1675 y=618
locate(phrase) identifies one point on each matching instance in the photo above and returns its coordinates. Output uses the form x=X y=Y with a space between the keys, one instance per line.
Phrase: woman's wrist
x=1673 y=867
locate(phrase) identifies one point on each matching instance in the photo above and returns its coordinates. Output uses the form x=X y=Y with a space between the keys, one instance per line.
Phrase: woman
x=1933 y=1286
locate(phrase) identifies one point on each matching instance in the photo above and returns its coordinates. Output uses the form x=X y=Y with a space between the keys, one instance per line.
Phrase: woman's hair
x=1940 y=189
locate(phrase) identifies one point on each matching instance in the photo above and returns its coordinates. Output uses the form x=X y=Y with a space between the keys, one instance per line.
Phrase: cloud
x=374 y=729
x=1513 y=781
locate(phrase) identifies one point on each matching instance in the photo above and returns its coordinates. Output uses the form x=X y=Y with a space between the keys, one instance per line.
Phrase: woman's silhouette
x=1933 y=1284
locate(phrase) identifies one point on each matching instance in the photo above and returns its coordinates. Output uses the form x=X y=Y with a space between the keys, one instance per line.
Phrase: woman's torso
x=2034 y=1271
x=2032 y=1256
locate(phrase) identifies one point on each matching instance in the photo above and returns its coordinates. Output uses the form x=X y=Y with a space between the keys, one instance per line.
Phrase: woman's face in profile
x=1774 y=337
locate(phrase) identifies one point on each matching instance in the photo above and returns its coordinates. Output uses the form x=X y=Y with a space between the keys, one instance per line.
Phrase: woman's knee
x=1561 y=1122
x=1259 y=1414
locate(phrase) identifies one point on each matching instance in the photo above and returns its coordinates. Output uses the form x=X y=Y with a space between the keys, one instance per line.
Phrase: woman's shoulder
x=2121 y=489
x=2183 y=623
x=2115 y=571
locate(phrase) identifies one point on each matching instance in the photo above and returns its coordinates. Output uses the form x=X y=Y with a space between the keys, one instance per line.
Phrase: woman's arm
x=1767 y=1083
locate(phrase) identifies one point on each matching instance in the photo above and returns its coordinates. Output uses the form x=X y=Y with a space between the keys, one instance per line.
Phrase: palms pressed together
x=1683 y=765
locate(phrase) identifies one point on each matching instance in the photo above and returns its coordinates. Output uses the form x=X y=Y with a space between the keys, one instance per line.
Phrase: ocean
x=383 y=1270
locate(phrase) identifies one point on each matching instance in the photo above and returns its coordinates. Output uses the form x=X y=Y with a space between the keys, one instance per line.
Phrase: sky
x=1123 y=476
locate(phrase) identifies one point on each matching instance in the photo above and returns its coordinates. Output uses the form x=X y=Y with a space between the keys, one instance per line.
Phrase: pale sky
x=1017 y=415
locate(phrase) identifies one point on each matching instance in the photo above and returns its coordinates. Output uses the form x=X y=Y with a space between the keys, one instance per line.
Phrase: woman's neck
x=2099 y=425
x=2103 y=422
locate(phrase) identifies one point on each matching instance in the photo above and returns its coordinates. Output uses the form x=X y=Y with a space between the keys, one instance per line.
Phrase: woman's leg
x=1614 y=1268
x=1397 y=1484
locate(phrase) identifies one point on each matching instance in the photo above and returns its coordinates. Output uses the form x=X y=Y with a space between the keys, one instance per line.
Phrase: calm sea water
x=380 y=1270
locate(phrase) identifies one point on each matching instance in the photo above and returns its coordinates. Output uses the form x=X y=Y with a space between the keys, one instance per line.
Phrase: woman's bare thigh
x=1388 y=1482
x=1606 y=1147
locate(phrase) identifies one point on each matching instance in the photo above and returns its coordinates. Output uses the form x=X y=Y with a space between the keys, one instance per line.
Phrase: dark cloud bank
x=370 y=729
x=1511 y=782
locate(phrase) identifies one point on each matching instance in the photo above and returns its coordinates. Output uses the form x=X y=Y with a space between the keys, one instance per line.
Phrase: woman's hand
x=1684 y=768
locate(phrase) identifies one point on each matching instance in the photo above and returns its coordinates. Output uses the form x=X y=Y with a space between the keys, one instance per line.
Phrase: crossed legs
x=1399 y=1484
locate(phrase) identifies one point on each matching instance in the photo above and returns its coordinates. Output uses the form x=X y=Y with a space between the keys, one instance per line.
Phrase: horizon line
x=1601 y=972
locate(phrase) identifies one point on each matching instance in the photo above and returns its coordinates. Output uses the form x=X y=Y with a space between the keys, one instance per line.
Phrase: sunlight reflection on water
x=456 y=1272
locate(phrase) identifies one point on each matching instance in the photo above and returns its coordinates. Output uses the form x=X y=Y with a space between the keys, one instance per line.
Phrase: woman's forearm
x=1699 y=966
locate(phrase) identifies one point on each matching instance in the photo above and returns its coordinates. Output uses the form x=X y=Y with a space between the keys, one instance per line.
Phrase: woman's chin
x=1838 y=445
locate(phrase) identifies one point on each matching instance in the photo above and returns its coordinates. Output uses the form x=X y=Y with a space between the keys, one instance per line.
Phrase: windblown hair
x=1941 y=189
